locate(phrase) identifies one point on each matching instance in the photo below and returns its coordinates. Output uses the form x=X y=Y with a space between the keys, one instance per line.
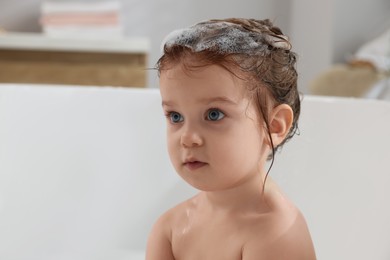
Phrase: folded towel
x=92 y=19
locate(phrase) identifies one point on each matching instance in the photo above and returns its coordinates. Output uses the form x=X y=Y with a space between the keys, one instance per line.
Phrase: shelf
x=36 y=58
x=36 y=41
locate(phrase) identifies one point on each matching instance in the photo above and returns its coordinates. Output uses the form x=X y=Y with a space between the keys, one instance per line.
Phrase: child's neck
x=244 y=198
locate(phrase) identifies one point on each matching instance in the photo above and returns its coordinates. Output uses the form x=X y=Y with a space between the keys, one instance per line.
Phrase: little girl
x=229 y=93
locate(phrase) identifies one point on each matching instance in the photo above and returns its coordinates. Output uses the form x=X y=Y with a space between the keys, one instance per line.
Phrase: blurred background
x=84 y=171
x=329 y=36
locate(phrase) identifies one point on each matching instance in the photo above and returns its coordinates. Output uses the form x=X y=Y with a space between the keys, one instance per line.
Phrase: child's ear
x=281 y=120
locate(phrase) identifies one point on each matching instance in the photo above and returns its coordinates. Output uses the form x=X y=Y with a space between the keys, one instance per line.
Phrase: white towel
x=377 y=51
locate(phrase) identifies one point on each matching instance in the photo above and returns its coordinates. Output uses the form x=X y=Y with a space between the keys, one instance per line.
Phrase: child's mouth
x=194 y=165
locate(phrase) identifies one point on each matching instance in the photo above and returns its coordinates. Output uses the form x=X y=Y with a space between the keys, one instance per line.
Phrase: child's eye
x=175 y=117
x=215 y=114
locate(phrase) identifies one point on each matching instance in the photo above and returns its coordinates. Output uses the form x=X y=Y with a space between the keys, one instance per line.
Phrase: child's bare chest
x=211 y=240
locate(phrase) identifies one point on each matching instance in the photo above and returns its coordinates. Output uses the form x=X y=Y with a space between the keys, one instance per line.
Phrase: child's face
x=215 y=140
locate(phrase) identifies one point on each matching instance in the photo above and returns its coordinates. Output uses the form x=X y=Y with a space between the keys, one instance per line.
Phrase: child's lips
x=194 y=165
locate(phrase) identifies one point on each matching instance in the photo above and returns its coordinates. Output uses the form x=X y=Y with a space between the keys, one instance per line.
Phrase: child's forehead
x=193 y=65
x=210 y=80
x=208 y=72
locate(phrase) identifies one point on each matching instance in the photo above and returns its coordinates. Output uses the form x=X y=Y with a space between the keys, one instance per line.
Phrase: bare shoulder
x=159 y=240
x=286 y=235
x=290 y=238
x=159 y=245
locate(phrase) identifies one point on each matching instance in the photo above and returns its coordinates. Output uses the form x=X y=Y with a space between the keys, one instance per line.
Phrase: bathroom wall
x=361 y=22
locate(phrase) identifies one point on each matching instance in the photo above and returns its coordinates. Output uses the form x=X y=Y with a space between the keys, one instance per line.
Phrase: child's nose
x=191 y=138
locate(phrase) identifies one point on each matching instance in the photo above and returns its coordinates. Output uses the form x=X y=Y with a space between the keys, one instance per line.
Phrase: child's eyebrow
x=206 y=101
x=218 y=99
x=167 y=103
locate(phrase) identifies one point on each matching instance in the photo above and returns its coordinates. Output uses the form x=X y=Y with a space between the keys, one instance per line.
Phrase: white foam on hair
x=224 y=37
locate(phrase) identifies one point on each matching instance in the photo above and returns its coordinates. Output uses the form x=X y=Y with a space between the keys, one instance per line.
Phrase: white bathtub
x=84 y=173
